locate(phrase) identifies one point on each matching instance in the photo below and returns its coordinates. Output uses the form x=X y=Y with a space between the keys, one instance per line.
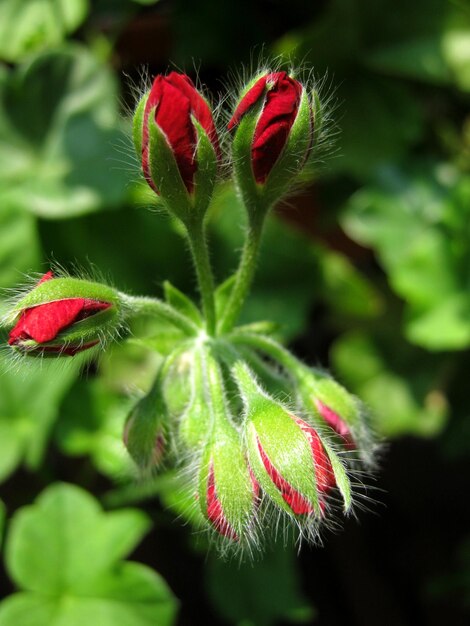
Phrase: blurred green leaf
x=3 y=515
x=346 y=290
x=417 y=221
x=30 y=25
x=29 y=405
x=65 y=553
x=456 y=45
x=92 y=425
x=94 y=412
x=402 y=386
x=420 y=59
x=19 y=245
x=59 y=136
x=261 y=593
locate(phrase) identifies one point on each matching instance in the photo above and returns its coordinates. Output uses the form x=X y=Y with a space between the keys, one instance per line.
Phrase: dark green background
x=367 y=271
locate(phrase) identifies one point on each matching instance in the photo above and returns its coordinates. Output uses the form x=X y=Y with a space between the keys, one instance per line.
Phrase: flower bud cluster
x=252 y=463
x=271 y=136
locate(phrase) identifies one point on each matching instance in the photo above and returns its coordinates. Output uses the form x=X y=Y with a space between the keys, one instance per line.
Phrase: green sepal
x=318 y=114
x=206 y=173
x=177 y=383
x=104 y=322
x=251 y=192
x=259 y=471
x=341 y=477
x=232 y=479
x=180 y=301
x=196 y=422
x=165 y=173
x=287 y=448
x=282 y=439
x=138 y=126
x=323 y=387
x=65 y=288
x=146 y=428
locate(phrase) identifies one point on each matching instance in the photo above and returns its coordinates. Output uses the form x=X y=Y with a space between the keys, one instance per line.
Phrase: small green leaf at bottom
x=65 y=553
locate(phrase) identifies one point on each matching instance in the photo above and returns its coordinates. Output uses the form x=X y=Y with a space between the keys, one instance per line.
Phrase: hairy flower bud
x=273 y=125
x=144 y=433
x=63 y=316
x=286 y=454
x=289 y=461
x=332 y=405
x=228 y=492
x=176 y=139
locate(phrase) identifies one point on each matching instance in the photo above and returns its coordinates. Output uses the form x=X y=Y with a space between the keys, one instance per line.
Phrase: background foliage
x=367 y=272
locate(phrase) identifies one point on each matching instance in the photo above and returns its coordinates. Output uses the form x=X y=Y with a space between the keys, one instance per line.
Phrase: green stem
x=271 y=348
x=244 y=276
x=198 y=245
x=152 y=306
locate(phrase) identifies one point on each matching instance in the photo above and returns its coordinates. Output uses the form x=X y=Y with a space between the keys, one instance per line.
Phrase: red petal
x=175 y=100
x=45 y=277
x=336 y=423
x=152 y=101
x=215 y=513
x=199 y=107
x=295 y=500
x=249 y=99
x=275 y=123
x=324 y=474
x=44 y=322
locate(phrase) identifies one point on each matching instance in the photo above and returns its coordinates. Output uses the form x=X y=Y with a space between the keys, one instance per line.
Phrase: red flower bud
x=324 y=475
x=336 y=423
x=228 y=491
x=173 y=104
x=282 y=95
x=38 y=327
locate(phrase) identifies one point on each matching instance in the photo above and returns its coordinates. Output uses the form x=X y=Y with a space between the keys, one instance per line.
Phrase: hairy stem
x=269 y=347
x=205 y=279
x=244 y=275
x=152 y=306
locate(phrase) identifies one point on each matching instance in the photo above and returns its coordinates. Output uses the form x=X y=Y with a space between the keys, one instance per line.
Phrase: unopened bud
x=176 y=140
x=228 y=492
x=145 y=430
x=273 y=124
x=64 y=316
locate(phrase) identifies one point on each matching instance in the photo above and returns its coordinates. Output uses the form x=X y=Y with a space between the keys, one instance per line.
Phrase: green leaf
x=417 y=221
x=30 y=25
x=65 y=553
x=346 y=290
x=92 y=424
x=19 y=246
x=179 y=301
x=259 y=594
x=29 y=405
x=420 y=59
x=58 y=144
